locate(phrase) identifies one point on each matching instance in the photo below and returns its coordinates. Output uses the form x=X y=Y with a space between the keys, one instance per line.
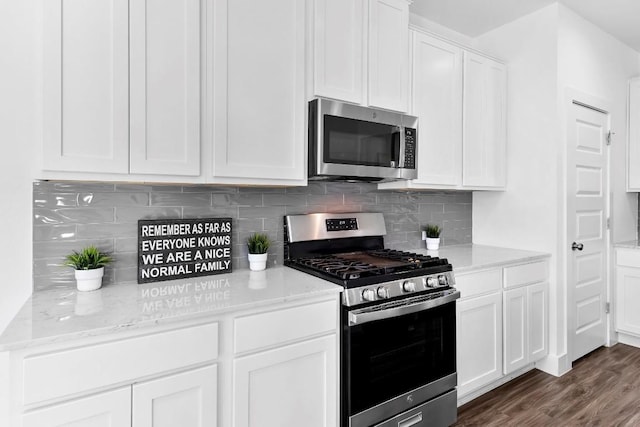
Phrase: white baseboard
x=479 y=392
x=553 y=364
x=628 y=339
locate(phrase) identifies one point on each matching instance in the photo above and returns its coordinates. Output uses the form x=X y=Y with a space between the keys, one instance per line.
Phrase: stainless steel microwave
x=349 y=142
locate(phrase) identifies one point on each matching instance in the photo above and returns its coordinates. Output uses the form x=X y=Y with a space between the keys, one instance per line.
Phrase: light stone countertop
x=629 y=244
x=469 y=257
x=60 y=315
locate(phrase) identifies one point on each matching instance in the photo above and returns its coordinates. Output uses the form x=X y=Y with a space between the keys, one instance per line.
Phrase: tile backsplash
x=68 y=216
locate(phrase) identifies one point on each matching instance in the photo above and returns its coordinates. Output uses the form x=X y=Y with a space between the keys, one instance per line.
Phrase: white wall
x=19 y=129
x=440 y=30
x=548 y=51
x=523 y=216
x=594 y=62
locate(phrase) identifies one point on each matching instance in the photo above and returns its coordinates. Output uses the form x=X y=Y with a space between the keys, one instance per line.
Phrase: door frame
x=577 y=97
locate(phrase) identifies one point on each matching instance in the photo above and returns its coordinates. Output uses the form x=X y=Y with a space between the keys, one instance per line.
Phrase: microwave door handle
x=399 y=143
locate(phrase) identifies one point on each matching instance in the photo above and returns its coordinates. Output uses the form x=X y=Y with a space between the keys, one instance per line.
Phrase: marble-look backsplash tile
x=71 y=215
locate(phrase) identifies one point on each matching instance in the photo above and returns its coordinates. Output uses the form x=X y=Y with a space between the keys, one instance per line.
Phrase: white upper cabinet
x=165 y=87
x=437 y=101
x=633 y=151
x=339 y=43
x=86 y=86
x=122 y=89
x=361 y=52
x=484 y=130
x=459 y=98
x=389 y=54
x=257 y=95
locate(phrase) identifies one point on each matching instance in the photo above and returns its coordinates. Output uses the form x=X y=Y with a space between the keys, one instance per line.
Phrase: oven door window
x=358 y=142
x=390 y=357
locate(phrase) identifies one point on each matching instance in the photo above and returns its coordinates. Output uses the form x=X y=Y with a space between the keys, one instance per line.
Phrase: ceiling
x=475 y=17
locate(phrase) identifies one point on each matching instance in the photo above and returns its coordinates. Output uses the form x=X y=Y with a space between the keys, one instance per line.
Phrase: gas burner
x=348 y=249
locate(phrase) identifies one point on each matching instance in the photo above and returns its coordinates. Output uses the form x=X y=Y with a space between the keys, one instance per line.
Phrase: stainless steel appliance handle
x=358 y=317
x=411 y=421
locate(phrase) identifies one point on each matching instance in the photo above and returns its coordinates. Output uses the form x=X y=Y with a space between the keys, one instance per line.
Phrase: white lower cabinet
x=515 y=329
x=538 y=311
x=525 y=326
x=479 y=337
x=187 y=399
x=277 y=366
x=627 y=296
x=109 y=409
x=288 y=386
x=502 y=324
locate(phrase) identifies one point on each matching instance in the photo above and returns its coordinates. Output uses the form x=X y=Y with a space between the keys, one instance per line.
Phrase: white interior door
x=587 y=190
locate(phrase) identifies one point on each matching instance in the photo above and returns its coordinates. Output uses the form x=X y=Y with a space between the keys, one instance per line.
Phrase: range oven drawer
x=439 y=412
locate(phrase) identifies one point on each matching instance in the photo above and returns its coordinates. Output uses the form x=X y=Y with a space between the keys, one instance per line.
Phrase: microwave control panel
x=409 y=148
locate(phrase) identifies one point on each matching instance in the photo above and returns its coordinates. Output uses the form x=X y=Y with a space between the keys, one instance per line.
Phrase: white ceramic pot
x=257 y=262
x=89 y=280
x=433 y=244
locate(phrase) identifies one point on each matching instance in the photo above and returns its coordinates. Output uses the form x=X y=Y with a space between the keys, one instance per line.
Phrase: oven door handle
x=365 y=316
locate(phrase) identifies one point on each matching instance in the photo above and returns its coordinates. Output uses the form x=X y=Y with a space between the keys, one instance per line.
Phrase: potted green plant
x=258 y=245
x=89 y=267
x=432 y=232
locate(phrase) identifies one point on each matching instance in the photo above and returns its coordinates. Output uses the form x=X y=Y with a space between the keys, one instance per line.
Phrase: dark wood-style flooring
x=602 y=389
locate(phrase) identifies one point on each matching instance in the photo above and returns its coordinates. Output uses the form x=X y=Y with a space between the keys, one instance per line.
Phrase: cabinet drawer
x=628 y=257
x=52 y=375
x=479 y=283
x=525 y=274
x=290 y=324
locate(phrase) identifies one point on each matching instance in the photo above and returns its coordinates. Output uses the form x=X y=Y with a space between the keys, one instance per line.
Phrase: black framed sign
x=171 y=249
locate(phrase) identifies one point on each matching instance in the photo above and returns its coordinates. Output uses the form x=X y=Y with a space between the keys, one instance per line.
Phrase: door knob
x=576 y=246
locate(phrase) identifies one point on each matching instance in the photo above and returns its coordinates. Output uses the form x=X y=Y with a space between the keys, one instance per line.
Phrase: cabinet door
x=633 y=162
x=339 y=45
x=479 y=341
x=187 y=399
x=516 y=342
x=538 y=321
x=86 y=86
x=437 y=101
x=389 y=54
x=110 y=409
x=288 y=386
x=165 y=87
x=484 y=129
x=258 y=91
x=627 y=297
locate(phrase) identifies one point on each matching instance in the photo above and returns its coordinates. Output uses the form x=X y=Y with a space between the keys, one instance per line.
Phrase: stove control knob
x=383 y=292
x=432 y=282
x=409 y=286
x=369 y=295
x=443 y=280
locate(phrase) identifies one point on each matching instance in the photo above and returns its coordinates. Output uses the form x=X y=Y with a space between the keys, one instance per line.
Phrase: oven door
x=397 y=356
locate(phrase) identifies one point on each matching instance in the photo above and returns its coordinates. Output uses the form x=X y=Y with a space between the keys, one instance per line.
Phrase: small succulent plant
x=433 y=231
x=88 y=258
x=258 y=243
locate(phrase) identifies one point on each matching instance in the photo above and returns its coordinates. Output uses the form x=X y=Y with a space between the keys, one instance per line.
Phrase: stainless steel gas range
x=398 y=353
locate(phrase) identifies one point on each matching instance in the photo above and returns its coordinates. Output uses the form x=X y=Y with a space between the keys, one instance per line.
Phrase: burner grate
x=379 y=262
